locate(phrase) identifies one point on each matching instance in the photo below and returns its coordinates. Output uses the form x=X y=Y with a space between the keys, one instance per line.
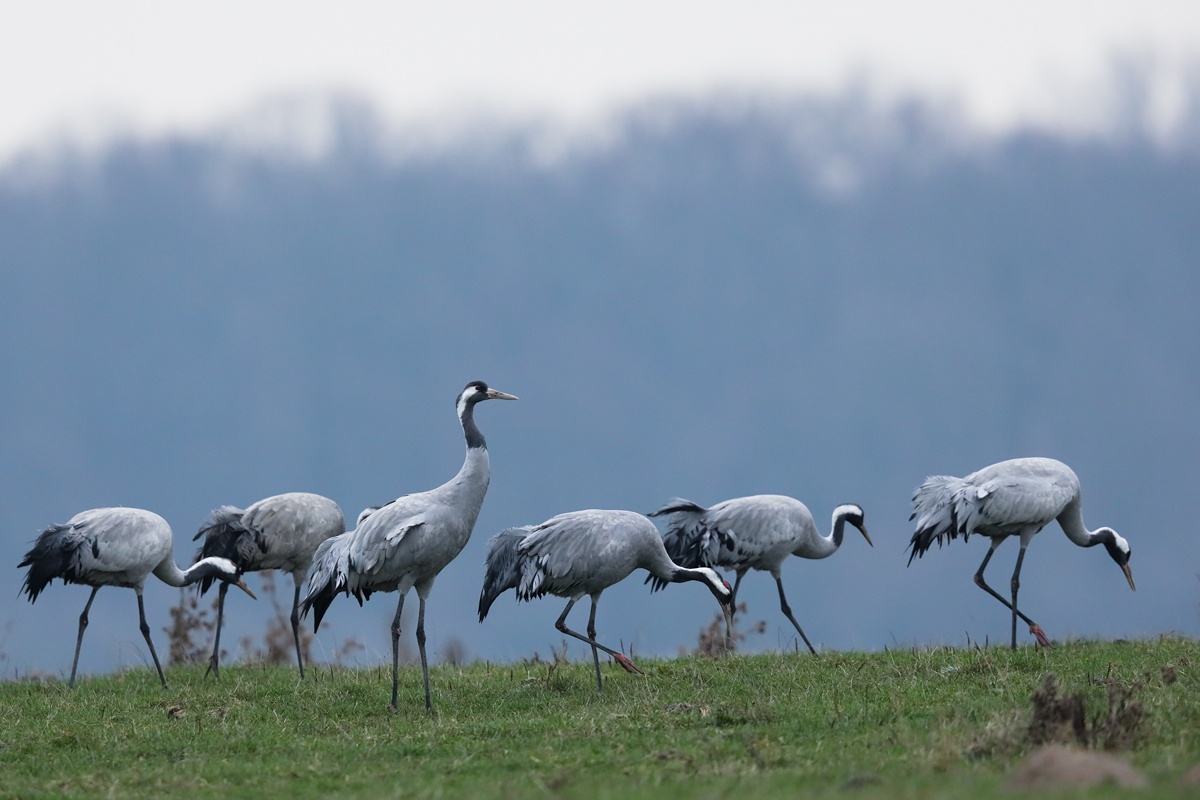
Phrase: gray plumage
x=757 y=532
x=1018 y=498
x=115 y=547
x=582 y=553
x=279 y=532
x=404 y=544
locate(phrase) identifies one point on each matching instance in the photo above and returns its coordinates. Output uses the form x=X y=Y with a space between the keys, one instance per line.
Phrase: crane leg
x=396 y=650
x=214 y=661
x=620 y=658
x=1034 y=628
x=145 y=629
x=787 y=612
x=295 y=623
x=1014 y=585
x=421 y=647
x=591 y=629
x=83 y=623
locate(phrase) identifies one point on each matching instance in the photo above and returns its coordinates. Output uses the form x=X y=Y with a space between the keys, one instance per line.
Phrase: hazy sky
x=83 y=68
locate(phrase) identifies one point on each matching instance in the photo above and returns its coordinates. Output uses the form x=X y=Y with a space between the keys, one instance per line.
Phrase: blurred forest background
x=825 y=296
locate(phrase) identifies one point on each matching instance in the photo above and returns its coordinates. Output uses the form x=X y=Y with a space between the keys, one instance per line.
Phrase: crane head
x=1118 y=549
x=853 y=513
x=477 y=391
x=218 y=568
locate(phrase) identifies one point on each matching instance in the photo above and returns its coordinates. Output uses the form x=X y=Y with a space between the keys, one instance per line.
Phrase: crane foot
x=1040 y=635
x=213 y=667
x=624 y=661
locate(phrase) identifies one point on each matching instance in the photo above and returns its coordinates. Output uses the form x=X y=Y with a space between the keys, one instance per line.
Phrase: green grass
x=910 y=723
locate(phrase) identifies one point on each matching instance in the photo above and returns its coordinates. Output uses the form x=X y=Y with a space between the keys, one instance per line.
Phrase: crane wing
x=568 y=551
x=1014 y=502
x=747 y=527
x=377 y=540
x=121 y=539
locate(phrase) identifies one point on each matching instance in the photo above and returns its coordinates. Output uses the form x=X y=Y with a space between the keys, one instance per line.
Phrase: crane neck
x=819 y=546
x=476 y=470
x=467 y=489
x=1071 y=520
x=169 y=572
x=466 y=416
x=839 y=530
x=658 y=563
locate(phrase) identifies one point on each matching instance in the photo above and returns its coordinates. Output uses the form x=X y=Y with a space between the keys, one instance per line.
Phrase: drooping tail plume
x=689 y=541
x=503 y=566
x=329 y=575
x=225 y=537
x=935 y=509
x=55 y=554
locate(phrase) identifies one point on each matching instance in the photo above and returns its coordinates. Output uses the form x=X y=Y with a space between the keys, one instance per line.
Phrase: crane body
x=115 y=547
x=757 y=532
x=580 y=554
x=278 y=532
x=1017 y=498
x=405 y=544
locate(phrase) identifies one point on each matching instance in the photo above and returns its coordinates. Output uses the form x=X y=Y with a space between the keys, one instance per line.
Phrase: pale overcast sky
x=149 y=66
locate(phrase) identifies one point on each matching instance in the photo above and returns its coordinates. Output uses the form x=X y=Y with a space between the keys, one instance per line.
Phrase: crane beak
x=727 y=610
x=496 y=394
x=241 y=584
x=867 y=536
x=1128 y=576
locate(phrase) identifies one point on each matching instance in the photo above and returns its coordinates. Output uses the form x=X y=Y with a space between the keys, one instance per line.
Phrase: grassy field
x=908 y=723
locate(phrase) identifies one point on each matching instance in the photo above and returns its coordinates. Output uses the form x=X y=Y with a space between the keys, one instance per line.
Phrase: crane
x=404 y=544
x=583 y=553
x=1018 y=498
x=115 y=547
x=278 y=532
x=757 y=532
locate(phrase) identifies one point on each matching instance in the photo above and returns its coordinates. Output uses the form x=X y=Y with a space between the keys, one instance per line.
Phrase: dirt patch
x=1057 y=766
x=1057 y=718
x=1063 y=719
x=1191 y=777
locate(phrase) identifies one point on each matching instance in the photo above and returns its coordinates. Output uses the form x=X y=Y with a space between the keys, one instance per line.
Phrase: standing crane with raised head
x=278 y=532
x=582 y=553
x=1018 y=498
x=115 y=547
x=405 y=544
x=757 y=532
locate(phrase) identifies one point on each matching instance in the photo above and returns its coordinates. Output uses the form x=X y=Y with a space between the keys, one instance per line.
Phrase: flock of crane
x=406 y=543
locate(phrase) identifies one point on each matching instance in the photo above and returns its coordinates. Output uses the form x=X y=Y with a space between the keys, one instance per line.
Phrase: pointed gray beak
x=496 y=394
x=1128 y=576
x=241 y=584
x=866 y=535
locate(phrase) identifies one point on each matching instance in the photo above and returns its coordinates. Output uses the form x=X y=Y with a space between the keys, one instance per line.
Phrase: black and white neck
x=466 y=415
